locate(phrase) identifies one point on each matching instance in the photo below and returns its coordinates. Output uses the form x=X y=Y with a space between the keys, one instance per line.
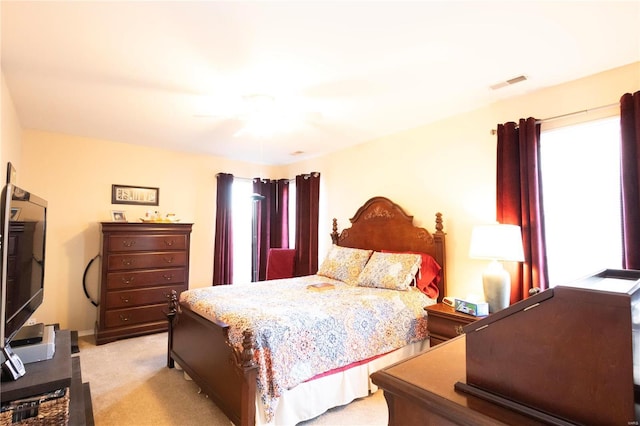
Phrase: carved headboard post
x=334 y=234
x=439 y=225
x=439 y=238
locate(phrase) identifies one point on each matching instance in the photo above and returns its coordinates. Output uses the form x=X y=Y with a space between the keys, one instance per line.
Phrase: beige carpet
x=131 y=385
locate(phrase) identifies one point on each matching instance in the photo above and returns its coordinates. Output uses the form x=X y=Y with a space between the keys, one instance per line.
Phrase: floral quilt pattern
x=300 y=333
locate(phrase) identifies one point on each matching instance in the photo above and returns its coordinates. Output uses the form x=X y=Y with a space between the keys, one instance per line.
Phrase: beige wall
x=11 y=132
x=75 y=175
x=448 y=166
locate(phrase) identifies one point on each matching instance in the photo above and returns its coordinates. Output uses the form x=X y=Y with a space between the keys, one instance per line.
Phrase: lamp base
x=496 y=283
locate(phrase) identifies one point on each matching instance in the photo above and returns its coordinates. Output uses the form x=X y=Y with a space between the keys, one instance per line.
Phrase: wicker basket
x=49 y=409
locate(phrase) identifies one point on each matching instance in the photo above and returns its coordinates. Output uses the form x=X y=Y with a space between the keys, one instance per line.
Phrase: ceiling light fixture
x=258 y=104
x=264 y=117
x=259 y=116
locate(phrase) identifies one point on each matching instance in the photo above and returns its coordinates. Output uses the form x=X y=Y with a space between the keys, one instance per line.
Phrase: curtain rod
x=557 y=117
x=253 y=178
x=584 y=111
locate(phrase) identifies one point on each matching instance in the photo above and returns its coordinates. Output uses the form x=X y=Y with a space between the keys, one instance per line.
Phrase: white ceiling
x=174 y=74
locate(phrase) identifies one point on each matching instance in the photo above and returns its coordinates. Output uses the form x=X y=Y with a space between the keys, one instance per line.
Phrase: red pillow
x=429 y=275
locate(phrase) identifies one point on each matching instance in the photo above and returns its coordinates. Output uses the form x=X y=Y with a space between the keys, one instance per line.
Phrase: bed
x=225 y=355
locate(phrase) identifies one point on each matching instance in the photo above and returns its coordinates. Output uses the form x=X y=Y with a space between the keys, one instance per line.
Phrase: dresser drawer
x=435 y=340
x=147 y=296
x=132 y=316
x=445 y=323
x=444 y=327
x=148 y=278
x=132 y=242
x=117 y=262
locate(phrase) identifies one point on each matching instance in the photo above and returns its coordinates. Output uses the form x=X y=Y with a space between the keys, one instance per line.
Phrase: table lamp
x=496 y=242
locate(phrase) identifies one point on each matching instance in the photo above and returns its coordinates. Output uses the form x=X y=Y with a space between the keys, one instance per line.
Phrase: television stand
x=61 y=371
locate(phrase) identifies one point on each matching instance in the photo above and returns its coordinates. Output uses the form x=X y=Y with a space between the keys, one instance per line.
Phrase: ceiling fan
x=261 y=116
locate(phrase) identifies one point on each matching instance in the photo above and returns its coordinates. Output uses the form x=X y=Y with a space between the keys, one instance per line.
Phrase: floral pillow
x=429 y=276
x=394 y=271
x=344 y=263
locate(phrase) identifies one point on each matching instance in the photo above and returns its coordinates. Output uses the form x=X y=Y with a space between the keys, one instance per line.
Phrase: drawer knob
x=169 y=243
x=459 y=329
x=127 y=261
x=124 y=318
x=168 y=259
x=124 y=299
x=168 y=277
x=127 y=280
x=128 y=243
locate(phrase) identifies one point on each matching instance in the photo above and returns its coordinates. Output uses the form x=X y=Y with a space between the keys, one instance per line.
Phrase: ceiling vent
x=508 y=82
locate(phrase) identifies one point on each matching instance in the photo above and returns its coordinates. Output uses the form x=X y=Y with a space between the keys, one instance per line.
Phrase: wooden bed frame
x=227 y=375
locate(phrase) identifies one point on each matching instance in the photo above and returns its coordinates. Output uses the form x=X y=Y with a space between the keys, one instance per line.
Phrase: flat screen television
x=23 y=217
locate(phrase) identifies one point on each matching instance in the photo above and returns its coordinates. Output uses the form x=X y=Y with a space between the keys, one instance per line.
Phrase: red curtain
x=223 y=240
x=630 y=171
x=272 y=216
x=307 y=211
x=519 y=201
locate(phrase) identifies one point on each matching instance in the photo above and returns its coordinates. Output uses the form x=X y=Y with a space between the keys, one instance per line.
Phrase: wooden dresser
x=140 y=264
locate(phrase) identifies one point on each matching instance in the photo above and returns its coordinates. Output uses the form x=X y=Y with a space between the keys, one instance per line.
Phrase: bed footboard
x=202 y=348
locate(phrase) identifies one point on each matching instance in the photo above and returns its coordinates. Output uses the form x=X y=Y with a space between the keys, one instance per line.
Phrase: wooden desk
x=420 y=391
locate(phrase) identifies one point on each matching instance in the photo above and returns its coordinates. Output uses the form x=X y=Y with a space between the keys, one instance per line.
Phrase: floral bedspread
x=300 y=333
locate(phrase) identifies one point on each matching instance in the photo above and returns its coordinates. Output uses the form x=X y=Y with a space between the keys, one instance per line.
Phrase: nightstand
x=445 y=323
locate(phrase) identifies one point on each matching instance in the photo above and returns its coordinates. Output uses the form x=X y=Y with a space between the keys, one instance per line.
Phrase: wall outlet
x=31 y=321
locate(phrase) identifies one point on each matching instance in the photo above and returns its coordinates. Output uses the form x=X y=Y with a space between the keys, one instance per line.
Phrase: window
x=243 y=238
x=242 y=229
x=580 y=168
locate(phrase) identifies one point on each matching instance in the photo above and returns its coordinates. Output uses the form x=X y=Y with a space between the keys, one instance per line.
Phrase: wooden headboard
x=380 y=224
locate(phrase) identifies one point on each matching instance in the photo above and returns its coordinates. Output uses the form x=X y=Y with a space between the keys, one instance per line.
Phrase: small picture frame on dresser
x=118 y=215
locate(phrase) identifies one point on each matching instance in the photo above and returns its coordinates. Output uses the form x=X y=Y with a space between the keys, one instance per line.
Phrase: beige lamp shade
x=497 y=242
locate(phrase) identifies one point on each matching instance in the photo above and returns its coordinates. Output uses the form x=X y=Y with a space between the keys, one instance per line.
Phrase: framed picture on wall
x=137 y=195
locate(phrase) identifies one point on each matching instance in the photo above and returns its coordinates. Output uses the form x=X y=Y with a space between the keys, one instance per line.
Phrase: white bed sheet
x=310 y=399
